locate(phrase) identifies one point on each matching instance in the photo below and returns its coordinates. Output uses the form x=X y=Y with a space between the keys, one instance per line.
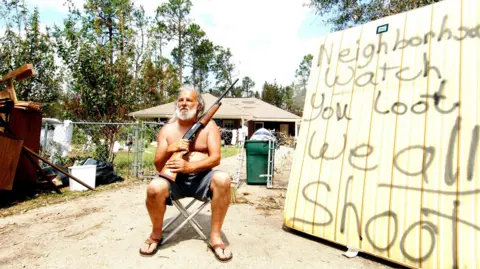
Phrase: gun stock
x=166 y=173
x=192 y=132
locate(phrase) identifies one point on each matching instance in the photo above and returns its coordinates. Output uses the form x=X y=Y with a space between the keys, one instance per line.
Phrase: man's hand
x=180 y=145
x=179 y=166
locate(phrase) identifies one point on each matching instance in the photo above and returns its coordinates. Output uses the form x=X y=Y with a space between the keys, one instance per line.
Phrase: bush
x=285 y=140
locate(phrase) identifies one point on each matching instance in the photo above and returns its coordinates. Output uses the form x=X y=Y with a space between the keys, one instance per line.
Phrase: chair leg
x=185 y=222
x=165 y=226
x=192 y=221
x=185 y=213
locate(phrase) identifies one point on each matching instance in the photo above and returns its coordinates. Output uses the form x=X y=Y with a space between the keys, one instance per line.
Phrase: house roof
x=231 y=108
x=226 y=111
x=260 y=110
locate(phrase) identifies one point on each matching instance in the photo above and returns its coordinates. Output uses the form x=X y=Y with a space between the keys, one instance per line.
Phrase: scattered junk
x=105 y=173
x=92 y=172
x=85 y=172
x=55 y=138
x=20 y=130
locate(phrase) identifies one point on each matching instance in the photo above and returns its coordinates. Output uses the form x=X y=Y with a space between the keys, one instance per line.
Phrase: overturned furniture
x=20 y=127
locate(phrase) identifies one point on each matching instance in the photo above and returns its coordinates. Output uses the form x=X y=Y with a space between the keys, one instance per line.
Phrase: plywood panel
x=316 y=139
x=439 y=193
x=409 y=139
x=376 y=213
x=349 y=212
x=295 y=190
x=335 y=116
x=468 y=210
x=397 y=176
x=10 y=150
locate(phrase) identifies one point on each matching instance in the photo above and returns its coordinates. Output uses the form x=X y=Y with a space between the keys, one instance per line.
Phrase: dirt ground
x=105 y=230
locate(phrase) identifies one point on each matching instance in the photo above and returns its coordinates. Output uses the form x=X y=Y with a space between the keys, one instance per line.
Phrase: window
x=228 y=124
x=284 y=128
x=258 y=125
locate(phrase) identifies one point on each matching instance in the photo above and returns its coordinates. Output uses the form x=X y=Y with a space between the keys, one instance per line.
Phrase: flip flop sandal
x=150 y=241
x=222 y=246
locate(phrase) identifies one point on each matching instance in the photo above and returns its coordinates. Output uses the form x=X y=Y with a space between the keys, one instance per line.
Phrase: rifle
x=193 y=131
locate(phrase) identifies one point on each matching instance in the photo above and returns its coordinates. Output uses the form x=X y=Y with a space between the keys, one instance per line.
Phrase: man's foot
x=220 y=250
x=150 y=246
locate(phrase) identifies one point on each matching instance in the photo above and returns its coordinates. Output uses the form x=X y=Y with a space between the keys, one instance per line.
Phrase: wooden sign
x=387 y=155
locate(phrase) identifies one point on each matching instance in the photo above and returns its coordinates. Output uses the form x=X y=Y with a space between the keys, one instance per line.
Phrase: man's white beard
x=186 y=116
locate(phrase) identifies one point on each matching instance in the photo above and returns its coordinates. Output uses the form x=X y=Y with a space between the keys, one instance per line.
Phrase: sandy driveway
x=105 y=230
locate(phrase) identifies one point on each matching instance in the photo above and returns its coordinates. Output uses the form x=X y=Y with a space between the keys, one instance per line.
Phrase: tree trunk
x=180 y=56
x=194 y=71
x=200 y=86
x=180 y=73
x=137 y=60
x=162 y=73
x=110 y=38
x=112 y=143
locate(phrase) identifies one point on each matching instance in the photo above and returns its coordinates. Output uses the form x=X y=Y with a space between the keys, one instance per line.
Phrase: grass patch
x=123 y=159
x=229 y=151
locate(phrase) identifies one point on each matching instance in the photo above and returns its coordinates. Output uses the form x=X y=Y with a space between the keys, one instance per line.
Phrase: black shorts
x=191 y=185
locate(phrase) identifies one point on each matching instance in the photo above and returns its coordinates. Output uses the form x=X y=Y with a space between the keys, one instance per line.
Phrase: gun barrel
x=225 y=93
x=218 y=102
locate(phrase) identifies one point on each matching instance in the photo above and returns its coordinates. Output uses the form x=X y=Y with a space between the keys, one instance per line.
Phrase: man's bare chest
x=199 y=144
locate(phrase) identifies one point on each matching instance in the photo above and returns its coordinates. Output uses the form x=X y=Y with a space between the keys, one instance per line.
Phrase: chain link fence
x=148 y=132
x=130 y=147
x=121 y=145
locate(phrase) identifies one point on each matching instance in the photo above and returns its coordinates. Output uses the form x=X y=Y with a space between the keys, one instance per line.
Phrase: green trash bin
x=257 y=160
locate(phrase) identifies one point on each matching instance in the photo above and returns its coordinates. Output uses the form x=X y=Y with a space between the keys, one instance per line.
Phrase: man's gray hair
x=200 y=101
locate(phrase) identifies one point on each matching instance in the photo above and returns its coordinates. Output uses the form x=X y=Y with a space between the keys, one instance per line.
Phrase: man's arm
x=161 y=155
x=213 y=146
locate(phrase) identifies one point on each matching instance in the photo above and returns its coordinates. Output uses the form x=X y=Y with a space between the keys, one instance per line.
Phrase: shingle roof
x=231 y=108
x=261 y=110
x=226 y=110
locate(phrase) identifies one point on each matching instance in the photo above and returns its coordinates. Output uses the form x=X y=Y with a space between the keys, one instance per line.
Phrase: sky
x=268 y=38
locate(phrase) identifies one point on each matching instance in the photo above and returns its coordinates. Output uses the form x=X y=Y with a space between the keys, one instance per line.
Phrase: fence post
x=128 y=153
x=142 y=134
x=45 y=139
x=135 y=163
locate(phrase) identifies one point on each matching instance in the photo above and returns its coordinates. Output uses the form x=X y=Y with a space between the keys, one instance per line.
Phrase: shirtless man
x=195 y=175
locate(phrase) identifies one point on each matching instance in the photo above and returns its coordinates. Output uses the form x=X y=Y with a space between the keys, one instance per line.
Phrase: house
x=265 y=115
x=251 y=113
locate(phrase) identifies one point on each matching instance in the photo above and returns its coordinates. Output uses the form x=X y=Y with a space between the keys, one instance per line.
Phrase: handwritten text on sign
x=355 y=61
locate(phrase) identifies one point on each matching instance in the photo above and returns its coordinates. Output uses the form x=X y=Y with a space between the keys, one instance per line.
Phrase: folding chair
x=188 y=218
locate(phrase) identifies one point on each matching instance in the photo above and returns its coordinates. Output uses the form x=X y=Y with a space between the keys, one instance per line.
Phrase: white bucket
x=86 y=173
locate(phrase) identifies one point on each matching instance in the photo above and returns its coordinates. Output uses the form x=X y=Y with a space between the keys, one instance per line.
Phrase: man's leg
x=157 y=194
x=220 y=187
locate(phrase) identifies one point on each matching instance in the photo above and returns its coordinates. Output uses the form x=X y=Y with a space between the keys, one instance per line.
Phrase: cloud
x=262 y=35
